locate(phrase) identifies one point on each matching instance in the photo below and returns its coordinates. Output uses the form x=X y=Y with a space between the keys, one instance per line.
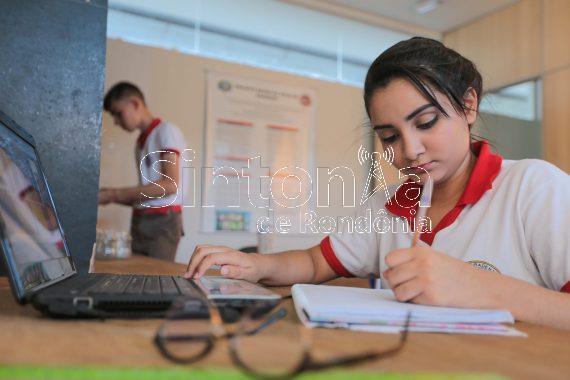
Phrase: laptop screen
x=32 y=239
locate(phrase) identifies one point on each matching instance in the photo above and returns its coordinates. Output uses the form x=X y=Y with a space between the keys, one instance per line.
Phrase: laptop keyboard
x=141 y=284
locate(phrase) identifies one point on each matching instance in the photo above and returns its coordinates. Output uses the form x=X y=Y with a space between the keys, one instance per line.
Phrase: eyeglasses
x=183 y=338
x=284 y=350
x=260 y=346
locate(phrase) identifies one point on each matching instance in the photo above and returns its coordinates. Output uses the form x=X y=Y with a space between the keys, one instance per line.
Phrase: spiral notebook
x=377 y=310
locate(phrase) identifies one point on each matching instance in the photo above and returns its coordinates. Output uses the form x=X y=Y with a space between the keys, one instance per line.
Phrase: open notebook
x=378 y=311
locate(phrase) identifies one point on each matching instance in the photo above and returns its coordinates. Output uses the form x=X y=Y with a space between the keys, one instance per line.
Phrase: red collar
x=486 y=169
x=144 y=135
x=488 y=165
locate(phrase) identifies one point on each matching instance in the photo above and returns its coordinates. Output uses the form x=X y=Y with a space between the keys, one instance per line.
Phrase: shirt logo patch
x=484 y=265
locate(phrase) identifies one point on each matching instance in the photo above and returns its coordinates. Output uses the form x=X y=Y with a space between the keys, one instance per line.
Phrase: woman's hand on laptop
x=233 y=263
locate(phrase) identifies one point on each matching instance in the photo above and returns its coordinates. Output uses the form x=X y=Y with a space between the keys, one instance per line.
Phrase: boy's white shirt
x=164 y=137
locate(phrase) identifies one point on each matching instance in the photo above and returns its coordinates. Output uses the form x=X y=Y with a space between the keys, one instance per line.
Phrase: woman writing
x=500 y=236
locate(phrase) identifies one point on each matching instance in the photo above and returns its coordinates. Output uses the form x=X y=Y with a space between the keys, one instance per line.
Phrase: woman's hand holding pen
x=425 y=276
x=233 y=263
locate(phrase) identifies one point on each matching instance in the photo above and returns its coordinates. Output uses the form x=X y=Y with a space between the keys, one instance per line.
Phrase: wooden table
x=26 y=337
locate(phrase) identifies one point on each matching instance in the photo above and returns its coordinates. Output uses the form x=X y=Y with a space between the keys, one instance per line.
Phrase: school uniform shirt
x=512 y=218
x=159 y=137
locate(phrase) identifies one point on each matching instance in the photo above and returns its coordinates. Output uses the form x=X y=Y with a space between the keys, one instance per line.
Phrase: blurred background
x=167 y=47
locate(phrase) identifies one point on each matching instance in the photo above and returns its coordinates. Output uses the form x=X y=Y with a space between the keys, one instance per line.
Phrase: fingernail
x=225 y=271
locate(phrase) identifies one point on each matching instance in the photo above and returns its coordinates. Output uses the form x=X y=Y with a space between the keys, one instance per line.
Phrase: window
x=519 y=101
x=510 y=119
x=263 y=33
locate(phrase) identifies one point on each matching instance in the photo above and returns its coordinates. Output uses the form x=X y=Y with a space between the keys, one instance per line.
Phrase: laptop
x=41 y=269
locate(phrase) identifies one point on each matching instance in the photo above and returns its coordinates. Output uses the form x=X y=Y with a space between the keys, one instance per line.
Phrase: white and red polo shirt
x=158 y=138
x=513 y=217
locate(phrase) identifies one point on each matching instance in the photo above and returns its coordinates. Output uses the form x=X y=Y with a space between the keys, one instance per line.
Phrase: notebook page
x=338 y=304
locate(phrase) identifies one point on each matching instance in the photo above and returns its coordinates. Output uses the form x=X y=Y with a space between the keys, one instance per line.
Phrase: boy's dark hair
x=120 y=91
x=429 y=65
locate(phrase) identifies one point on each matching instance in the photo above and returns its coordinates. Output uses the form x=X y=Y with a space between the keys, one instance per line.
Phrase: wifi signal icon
x=363 y=155
x=388 y=155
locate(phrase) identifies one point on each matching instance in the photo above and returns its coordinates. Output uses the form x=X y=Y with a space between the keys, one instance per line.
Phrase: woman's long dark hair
x=429 y=65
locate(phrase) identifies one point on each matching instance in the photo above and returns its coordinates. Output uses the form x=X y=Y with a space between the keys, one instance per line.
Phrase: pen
x=373 y=282
x=425 y=199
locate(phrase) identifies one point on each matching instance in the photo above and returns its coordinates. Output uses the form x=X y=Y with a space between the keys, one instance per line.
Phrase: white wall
x=174 y=85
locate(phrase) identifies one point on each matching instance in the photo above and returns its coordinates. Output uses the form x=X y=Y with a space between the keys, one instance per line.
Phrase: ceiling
x=449 y=15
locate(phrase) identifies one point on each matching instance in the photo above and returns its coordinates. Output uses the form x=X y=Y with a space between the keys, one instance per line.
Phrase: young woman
x=500 y=234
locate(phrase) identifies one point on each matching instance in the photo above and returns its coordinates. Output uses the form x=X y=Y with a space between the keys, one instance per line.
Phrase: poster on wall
x=259 y=154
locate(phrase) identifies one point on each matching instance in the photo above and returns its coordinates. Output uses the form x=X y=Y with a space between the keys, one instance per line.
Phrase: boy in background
x=156 y=224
